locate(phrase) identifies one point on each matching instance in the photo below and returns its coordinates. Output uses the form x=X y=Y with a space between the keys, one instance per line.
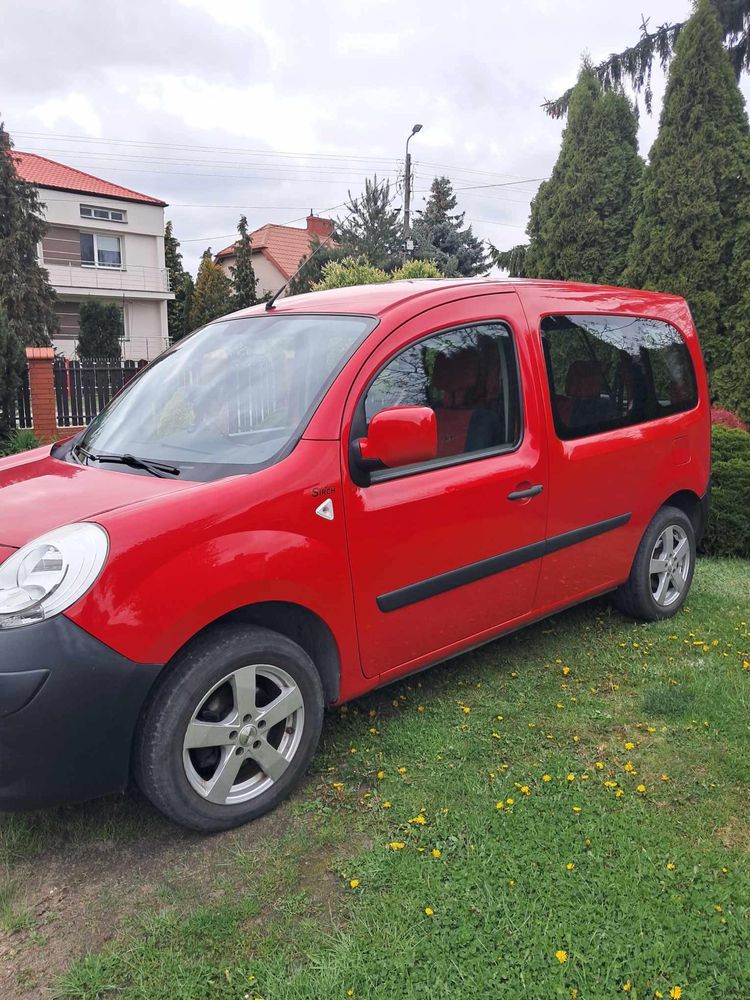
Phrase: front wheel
x=662 y=570
x=230 y=729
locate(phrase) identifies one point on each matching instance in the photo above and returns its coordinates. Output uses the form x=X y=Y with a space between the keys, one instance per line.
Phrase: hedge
x=728 y=531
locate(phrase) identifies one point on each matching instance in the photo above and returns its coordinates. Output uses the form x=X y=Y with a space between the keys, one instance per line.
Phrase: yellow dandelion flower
x=619 y=793
x=420 y=708
x=428 y=911
x=629 y=745
x=353 y=882
x=546 y=777
x=599 y=765
x=671 y=866
x=570 y=866
x=587 y=842
x=610 y=784
x=397 y=845
x=627 y=986
x=577 y=809
x=514 y=674
x=350 y=993
x=658 y=994
x=509 y=802
x=524 y=789
x=628 y=766
x=419 y=820
x=338 y=784
x=436 y=853
x=663 y=777
x=641 y=789
x=466 y=709
x=381 y=775
x=511 y=883
x=719 y=908
x=386 y=805
x=676 y=992
x=499 y=805
x=559 y=705
x=372 y=731
x=402 y=770
x=562 y=956
x=565 y=671
x=352 y=749
x=573 y=992
x=746 y=664
x=570 y=777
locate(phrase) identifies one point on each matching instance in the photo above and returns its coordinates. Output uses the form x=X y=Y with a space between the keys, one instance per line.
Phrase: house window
x=104 y=214
x=98 y=250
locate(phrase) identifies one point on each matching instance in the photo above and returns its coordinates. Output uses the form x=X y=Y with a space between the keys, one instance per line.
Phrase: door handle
x=532 y=491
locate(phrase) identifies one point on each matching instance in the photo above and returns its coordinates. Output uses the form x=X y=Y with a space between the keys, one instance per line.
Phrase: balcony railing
x=129 y=279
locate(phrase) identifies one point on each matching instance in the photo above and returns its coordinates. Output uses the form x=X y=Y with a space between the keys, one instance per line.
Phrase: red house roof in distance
x=49 y=174
x=285 y=246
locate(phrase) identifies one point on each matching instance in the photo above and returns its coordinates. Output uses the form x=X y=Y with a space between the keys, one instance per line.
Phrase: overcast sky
x=274 y=108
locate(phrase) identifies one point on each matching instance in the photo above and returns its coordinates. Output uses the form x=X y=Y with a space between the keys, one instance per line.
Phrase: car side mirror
x=400 y=435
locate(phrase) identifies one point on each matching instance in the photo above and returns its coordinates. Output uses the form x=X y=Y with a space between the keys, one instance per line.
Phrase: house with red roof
x=278 y=251
x=103 y=241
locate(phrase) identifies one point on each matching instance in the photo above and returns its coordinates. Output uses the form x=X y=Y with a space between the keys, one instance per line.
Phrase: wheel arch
x=690 y=504
x=302 y=626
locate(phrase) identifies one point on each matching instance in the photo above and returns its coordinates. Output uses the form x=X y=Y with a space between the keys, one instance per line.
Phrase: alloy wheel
x=243 y=734
x=669 y=567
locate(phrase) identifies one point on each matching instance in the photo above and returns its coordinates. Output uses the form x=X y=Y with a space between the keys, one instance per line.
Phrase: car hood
x=39 y=493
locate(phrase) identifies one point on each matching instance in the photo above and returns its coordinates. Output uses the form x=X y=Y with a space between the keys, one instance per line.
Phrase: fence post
x=42 y=391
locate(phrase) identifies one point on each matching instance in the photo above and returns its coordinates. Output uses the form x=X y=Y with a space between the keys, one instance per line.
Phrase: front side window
x=607 y=372
x=468 y=377
x=98 y=250
x=230 y=398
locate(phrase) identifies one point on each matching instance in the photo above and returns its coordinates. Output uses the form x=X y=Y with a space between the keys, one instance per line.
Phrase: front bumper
x=68 y=710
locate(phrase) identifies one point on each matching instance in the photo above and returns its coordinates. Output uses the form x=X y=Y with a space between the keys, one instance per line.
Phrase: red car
x=296 y=505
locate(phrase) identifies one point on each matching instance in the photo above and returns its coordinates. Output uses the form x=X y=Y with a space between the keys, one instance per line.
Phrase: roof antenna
x=271 y=302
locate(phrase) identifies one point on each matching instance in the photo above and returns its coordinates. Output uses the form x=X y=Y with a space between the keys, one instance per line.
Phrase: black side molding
x=444 y=582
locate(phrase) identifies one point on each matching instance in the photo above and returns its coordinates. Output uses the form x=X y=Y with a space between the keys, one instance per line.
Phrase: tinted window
x=467 y=376
x=613 y=371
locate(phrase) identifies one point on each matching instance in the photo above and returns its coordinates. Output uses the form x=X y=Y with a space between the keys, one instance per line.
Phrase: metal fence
x=23 y=403
x=83 y=388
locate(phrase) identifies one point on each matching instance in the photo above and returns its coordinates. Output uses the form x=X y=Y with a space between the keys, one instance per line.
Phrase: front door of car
x=447 y=549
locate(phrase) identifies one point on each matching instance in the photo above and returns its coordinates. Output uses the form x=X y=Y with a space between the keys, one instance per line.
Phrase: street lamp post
x=408 y=245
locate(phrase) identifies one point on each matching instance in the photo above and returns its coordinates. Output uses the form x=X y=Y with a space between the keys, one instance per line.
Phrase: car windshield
x=232 y=397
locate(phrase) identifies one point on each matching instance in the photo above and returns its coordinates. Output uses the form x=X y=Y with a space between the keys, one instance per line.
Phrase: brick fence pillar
x=42 y=390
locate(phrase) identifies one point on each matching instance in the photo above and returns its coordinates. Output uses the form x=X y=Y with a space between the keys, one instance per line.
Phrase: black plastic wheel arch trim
x=443 y=582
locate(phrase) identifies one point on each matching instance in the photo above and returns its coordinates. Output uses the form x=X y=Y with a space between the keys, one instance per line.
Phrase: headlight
x=49 y=574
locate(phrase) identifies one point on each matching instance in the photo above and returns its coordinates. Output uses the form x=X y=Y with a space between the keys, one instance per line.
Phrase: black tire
x=635 y=597
x=160 y=768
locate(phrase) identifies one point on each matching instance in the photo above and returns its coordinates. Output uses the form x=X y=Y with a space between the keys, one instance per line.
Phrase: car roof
x=377 y=300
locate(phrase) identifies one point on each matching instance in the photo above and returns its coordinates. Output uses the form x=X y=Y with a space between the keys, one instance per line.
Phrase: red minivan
x=298 y=504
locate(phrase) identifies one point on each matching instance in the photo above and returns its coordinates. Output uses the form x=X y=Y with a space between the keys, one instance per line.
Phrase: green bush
x=19 y=439
x=729 y=523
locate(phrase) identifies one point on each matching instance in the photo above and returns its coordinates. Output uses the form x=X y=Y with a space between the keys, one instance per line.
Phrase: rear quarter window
x=607 y=372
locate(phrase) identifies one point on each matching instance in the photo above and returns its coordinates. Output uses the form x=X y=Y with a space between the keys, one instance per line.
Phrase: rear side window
x=607 y=372
x=468 y=377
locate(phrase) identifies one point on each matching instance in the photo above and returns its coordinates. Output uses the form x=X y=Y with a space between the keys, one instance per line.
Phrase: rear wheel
x=230 y=729
x=662 y=569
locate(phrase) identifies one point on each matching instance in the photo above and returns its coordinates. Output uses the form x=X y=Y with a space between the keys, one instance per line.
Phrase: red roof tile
x=50 y=174
x=285 y=246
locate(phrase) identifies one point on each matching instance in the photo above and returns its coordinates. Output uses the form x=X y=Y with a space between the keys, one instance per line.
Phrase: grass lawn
x=564 y=813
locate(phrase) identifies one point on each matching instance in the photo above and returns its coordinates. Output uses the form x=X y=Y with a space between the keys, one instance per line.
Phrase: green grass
x=659 y=893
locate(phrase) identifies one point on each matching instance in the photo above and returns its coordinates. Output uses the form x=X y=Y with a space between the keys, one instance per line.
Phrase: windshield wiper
x=155 y=468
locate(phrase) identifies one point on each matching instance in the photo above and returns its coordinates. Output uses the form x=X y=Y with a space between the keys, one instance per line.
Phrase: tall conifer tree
x=372 y=226
x=25 y=292
x=582 y=218
x=212 y=296
x=245 y=291
x=439 y=235
x=178 y=309
x=695 y=195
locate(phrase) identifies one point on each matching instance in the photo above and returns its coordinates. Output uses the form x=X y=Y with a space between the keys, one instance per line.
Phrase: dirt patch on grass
x=76 y=895
x=734 y=835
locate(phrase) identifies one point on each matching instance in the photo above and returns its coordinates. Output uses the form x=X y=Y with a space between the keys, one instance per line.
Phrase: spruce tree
x=12 y=364
x=372 y=226
x=245 y=292
x=582 y=218
x=101 y=330
x=178 y=309
x=212 y=296
x=25 y=292
x=694 y=199
x=439 y=235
